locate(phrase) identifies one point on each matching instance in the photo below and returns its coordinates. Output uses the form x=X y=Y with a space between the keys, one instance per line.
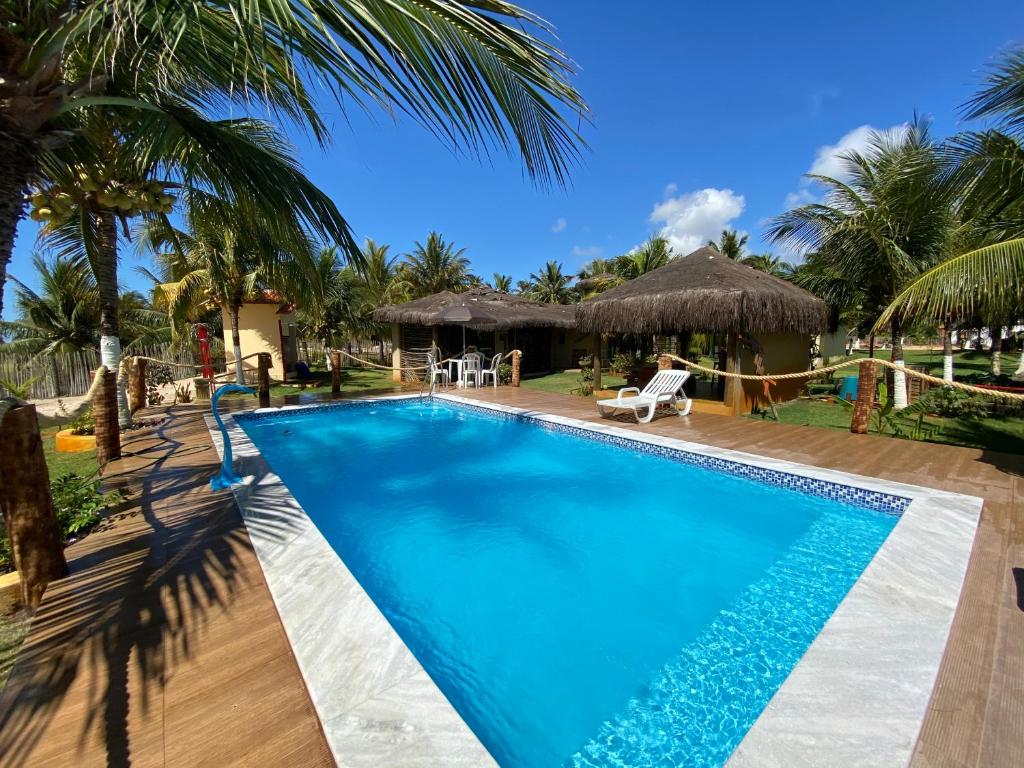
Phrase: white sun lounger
x=665 y=389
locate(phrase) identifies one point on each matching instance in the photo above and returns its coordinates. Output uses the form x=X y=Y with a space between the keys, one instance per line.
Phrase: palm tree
x=333 y=312
x=983 y=277
x=228 y=264
x=551 y=286
x=471 y=74
x=891 y=220
x=730 y=244
x=502 y=283
x=767 y=262
x=436 y=266
x=381 y=280
x=654 y=253
x=62 y=316
x=597 y=276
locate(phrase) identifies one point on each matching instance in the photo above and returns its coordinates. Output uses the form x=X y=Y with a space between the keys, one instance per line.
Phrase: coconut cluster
x=55 y=203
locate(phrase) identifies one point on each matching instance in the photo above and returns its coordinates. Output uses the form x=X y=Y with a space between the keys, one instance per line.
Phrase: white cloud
x=559 y=224
x=828 y=161
x=691 y=219
x=670 y=189
x=586 y=251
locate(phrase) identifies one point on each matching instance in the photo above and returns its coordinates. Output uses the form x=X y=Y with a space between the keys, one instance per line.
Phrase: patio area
x=164 y=646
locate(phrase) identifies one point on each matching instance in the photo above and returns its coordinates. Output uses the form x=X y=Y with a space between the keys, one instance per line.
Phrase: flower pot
x=69 y=443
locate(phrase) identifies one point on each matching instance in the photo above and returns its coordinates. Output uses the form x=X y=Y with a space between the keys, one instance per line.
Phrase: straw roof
x=489 y=310
x=704 y=291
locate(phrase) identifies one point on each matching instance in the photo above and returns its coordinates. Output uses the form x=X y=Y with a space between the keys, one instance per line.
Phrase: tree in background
x=730 y=244
x=228 y=262
x=551 y=286
x=655 y=252
x=883 y=226
x=435 y=266
x=983 y=274
x=769 y=263
x=502 y=283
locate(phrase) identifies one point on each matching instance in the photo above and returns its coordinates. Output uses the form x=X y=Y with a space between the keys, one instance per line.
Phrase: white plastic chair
x=491 y=372
x=664 y=390
x=471 y=369
x=436 y=371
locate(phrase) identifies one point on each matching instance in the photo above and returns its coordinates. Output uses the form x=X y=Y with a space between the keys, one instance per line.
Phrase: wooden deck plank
x=164 y=646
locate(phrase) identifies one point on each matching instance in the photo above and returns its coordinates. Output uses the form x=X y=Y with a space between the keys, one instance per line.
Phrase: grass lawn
x=965 y=364
x=564 y=382
x=1002 y=433
x=83 y=463
x=352 y=380
x=12 y=632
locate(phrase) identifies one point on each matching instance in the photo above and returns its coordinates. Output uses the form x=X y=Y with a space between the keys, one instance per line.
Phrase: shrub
x=623 y=363
x=586 y=376
x=83 y=423
x=157 y=376
x=956 y=404
x=505 y=373
x=79 y=503
x=183 y=393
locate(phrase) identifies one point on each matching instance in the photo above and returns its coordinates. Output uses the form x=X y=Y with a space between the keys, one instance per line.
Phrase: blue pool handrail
x=227 y=477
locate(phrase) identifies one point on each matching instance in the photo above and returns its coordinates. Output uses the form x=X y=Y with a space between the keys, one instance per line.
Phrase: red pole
x=204 y=350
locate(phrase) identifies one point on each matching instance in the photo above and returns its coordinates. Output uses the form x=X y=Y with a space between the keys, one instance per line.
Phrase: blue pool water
x=579 y=603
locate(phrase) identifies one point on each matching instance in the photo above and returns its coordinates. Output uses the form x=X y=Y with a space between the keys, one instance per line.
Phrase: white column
x=110 y=357
x=899 y=385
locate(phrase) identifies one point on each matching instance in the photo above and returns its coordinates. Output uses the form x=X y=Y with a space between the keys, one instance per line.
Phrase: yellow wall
x=783 y=353
x=258 y=331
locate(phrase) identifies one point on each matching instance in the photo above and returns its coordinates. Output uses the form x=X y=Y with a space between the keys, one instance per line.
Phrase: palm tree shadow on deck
x=139 y=597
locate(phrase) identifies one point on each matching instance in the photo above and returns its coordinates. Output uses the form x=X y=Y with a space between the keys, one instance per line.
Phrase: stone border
x=857 y=697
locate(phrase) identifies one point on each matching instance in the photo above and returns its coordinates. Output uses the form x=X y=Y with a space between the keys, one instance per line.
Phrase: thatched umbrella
x=704 y=291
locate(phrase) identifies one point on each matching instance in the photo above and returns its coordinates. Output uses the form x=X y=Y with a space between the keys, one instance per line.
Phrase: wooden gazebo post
x=597 y=361
x=733 y=387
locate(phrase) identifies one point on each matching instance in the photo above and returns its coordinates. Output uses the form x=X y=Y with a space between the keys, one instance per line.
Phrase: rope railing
x=411 y=368
x=773 y=378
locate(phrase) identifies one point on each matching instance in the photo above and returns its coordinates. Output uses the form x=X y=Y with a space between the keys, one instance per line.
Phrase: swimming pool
x=579 y=602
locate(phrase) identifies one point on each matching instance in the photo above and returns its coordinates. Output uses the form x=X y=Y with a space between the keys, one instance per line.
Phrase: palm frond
x=987 y=281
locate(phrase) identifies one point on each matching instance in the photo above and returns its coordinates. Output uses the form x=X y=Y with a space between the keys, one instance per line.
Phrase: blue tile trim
x=847 y=494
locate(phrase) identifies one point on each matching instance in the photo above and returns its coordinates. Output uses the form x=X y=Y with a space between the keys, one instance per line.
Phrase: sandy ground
x=58 y=410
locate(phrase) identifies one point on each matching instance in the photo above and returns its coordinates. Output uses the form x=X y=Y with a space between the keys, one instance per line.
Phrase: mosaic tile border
x=864 y=498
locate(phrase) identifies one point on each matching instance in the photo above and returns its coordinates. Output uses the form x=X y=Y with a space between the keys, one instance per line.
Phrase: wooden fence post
x=865 y=398
x=263 y=363
x=137 y=385
x=335 y=372
x=516 y=366
x=27 y=507
x=104 y=418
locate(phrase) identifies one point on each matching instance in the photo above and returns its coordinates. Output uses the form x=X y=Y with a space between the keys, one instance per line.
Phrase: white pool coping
x=856 y=698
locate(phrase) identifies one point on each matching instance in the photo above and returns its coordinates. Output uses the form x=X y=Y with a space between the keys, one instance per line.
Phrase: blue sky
x=705 y=115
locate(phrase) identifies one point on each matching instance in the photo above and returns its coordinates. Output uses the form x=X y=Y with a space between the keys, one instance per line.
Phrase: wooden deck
x=164 y=647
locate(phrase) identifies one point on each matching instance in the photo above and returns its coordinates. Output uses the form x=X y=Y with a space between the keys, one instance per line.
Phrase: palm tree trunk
x=899 y=378
x=996 y=334
x=947 y=354
x=236 y=342
x=106 y=284
x=16 y=164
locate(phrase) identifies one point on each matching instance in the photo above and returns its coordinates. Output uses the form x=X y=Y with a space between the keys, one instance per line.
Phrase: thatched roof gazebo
x=710 y=293
x=495 y=310
x=499 y=322
x=704 y=291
